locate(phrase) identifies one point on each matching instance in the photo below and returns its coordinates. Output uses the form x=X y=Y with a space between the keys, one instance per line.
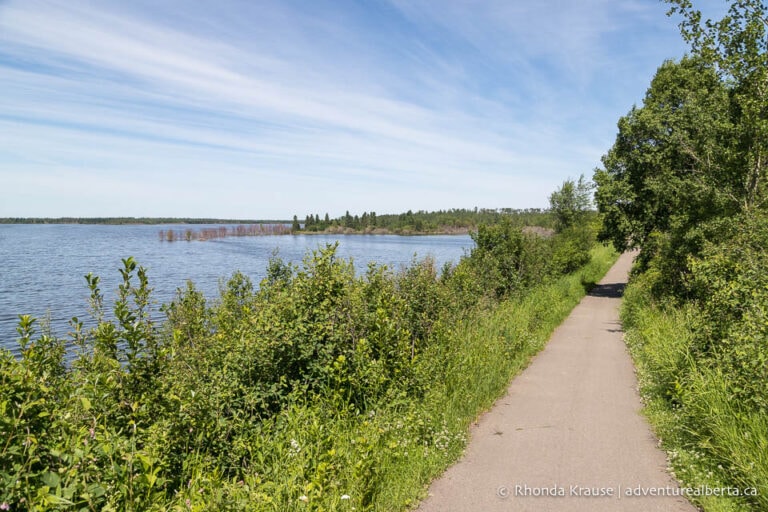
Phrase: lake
x=42 y=266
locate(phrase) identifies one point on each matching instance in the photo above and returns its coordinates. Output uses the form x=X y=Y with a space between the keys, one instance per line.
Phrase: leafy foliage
x=313 y=388
x=730 y=283
x=697 y=150
x=665 y=173
x=686 y=183
x=737 y=48
x=702 y=401
x=571 y=203
x=508 y=259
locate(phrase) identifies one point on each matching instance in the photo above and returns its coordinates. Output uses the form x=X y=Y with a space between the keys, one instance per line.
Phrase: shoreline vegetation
x=457 y=221
x=119 y=221
x=318 y=389
x=201 y=235
x=442 y=222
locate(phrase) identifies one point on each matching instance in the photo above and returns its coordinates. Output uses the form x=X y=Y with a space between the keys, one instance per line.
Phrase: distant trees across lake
x=455 y=220
x=451 y=221
x=131 y=220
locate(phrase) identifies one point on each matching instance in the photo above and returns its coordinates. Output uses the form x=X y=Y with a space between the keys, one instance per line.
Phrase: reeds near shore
x=201 y=235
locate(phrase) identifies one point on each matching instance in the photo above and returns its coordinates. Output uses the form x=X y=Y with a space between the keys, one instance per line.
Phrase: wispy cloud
x=265 y=109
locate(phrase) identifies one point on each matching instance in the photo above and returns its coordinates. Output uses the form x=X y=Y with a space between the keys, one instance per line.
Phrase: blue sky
x=265 y=109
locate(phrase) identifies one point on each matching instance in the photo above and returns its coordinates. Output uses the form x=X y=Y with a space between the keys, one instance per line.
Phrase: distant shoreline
x=241 y=230
x=117 y=221
x=338 y=230
x=180 y=236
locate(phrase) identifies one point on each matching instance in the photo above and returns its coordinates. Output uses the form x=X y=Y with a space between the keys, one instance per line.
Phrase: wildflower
x=189 y=503
x=345 y=496
x=92 y=432
x=5 y=506
x=303 y=498
x=295 y=448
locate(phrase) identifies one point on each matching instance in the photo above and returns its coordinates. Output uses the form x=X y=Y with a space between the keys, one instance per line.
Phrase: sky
x=254 y=109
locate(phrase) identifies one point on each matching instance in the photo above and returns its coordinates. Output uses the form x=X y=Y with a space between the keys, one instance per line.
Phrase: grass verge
x=711 y=441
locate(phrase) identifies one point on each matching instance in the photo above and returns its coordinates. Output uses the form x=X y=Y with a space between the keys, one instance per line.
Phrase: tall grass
x=240 y=230
x=712 y=440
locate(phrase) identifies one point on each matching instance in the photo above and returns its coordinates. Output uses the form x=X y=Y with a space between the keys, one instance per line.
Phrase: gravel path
x=568 y=435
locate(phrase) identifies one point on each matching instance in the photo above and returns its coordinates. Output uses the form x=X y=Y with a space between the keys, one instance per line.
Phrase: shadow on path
x=573 y=417
x=610 y=290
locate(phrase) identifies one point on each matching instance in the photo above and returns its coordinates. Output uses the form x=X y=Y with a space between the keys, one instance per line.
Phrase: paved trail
x=570 y=419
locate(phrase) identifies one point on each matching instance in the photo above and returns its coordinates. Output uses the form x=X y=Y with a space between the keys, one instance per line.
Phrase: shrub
x=317 y=385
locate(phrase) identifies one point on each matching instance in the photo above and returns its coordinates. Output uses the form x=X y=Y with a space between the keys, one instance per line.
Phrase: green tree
x=571 y=205
x=668 y=165
x=697 y=150
x=737 y=48
x=571 y=202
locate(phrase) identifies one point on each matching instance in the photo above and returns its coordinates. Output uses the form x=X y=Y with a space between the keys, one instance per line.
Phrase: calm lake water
x=42 y=266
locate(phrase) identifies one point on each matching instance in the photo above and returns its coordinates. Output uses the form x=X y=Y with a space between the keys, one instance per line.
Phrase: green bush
x=319 y=388
x=507 y=260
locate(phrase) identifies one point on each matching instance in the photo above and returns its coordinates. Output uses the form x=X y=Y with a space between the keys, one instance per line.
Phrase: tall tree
x=737 y=47
x=570 y=202
x=696 y=152
x=668 y=166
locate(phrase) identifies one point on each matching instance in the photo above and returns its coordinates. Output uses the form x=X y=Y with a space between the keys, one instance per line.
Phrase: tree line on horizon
x=424 y=221
x=421 y=221
x=131 y=220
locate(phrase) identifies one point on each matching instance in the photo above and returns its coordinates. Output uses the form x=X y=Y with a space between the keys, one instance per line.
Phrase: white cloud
x=485 y=104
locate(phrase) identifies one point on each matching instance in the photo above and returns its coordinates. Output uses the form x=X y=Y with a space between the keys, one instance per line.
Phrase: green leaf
x=51 y=479
x=96 y=490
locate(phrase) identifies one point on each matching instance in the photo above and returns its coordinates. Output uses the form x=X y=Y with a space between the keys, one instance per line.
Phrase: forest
x=456 y=220
x=685 y=183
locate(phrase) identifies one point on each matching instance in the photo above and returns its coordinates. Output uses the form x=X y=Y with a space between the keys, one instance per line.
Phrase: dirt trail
x=569 y=426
